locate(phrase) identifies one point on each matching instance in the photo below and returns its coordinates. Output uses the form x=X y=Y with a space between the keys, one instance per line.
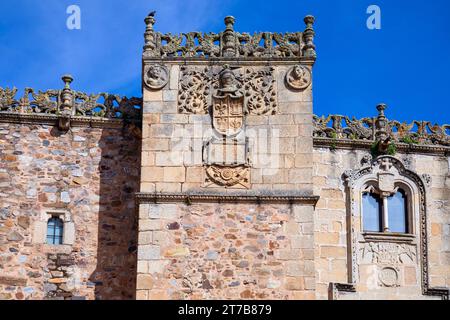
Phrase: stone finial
x=309 y=21
x=67 y=99
x=381 y=122
x=150 y=20
x=229 y=38
x=149 y=35
x=309 y=49
x=67 y=79
x=229 y=22
x=381 y=134
x=381 y=107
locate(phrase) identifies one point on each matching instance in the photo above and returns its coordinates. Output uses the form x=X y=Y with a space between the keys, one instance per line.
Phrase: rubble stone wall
x=92 y=175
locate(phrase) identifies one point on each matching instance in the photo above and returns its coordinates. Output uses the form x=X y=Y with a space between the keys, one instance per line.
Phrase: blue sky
x=406 y=64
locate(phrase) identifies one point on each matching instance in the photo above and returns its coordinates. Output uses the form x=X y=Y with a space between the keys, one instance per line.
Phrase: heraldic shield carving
x=226 y=157
x=228 y=105
x=228 y=114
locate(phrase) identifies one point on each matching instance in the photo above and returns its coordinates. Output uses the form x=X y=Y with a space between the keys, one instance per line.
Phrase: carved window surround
x=412 y=246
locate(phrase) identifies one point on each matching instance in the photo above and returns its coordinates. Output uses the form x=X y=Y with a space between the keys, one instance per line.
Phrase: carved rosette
x=227 y=176
x=298 y=77
x=156 y=76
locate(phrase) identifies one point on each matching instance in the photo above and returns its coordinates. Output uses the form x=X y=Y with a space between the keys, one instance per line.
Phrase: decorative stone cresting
x=67 y=103
x=229 y=43
x=366 y=129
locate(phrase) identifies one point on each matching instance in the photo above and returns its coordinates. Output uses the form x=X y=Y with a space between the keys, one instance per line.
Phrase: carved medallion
x=389 y=277
x=228 y=176
x=156 y=76
x=298 y=77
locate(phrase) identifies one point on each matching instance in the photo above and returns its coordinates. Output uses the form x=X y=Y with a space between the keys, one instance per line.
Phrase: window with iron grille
x=55 y=228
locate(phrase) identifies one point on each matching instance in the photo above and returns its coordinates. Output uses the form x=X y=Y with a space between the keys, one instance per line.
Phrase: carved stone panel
x=386 y=182
x=226 y=152
x=237 y=177
x=387 y=253
x=198 y=84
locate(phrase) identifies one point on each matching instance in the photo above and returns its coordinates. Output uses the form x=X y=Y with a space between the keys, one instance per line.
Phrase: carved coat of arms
x=226 y=156
x=228 y=106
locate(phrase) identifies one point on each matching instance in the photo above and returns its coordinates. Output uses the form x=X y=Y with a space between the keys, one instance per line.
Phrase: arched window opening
x=55 y=228
x=385 y=213
x=372 y=212
x=398 y=212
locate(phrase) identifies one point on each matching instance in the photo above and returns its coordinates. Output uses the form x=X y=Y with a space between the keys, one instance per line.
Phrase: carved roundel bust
x=156 y=76
x=298 y=77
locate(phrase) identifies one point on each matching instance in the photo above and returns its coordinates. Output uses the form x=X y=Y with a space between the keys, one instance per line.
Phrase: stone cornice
x=272 y=197
x=53 y=120
x=367 y=144
x=249 y=61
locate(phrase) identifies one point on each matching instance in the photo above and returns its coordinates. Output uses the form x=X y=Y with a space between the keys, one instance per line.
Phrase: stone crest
x=226 y=155
x=386 y=179
x=298 y=77
x=156 y=76
x=257 y=85
x=228 y=105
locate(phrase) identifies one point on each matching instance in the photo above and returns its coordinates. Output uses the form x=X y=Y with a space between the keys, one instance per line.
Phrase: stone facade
x=92 y=173
x=220 y=183
x=332 y=228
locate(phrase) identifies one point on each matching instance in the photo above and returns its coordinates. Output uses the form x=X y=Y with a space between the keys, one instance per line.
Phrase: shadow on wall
x=115 y=275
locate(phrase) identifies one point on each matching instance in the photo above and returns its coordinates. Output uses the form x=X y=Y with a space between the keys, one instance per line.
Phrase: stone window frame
x=355 y=180
x=412 y=208
x=40 y=228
